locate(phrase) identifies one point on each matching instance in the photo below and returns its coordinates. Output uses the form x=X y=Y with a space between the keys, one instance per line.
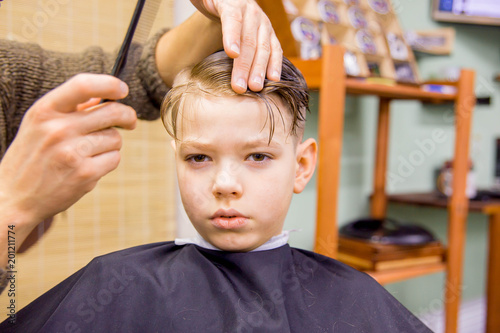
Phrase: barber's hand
x=65 y=144
x=249 y=38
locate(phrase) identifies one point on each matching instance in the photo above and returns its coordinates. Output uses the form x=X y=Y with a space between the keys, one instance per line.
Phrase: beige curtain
x=133 y=205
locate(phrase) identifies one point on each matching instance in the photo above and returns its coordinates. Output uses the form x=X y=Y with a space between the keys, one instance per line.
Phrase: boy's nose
x=226 y=184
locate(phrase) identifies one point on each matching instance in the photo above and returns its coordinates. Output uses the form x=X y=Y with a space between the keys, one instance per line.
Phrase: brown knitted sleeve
x=27 y=72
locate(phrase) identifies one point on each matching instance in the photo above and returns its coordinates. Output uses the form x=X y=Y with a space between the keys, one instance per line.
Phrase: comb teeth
x=146 y=21
x=137 y=33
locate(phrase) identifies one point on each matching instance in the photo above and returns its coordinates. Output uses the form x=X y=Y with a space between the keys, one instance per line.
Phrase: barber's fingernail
x=124 y=88
x=276 y=75
x=241 y=83
x=258 y=80
x=235 y=48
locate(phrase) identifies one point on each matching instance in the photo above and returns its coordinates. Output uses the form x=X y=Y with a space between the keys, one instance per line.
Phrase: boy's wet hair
x=212 y=76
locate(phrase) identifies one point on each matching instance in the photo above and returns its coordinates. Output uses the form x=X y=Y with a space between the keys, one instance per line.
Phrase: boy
x=239 y=158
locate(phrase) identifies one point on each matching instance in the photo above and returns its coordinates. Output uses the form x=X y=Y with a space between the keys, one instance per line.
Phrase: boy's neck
x=273 y=243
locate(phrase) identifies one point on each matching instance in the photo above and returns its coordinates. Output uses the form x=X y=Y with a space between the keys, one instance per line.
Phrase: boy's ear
x=172 y=143
x=306 y=163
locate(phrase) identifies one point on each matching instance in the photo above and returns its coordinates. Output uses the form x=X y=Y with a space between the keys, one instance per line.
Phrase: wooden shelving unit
x=327 y=75
x=489 y=207
x=435 y=199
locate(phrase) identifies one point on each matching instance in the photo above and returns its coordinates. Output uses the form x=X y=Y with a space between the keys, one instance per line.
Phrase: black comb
x=138 y=31
x=121 y=59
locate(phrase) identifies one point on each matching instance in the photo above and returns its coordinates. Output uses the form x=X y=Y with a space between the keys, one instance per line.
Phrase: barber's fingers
x=276 y=59
x=240 y=78
x=249 y=38
x=268 y=55
x=91 y=102
x=102 y=116
x=207 y=8
x=231 y=17
x=245 y=27
x=82 y=87
x=106 y=162
x=88 y=158
x=92 y=169
x=96 y=143
x=264 y=58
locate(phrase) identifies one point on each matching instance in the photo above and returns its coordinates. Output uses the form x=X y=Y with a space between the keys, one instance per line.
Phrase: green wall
x=476 y=47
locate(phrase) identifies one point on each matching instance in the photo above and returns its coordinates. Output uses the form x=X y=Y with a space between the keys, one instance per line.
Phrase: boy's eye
x=258 y=157
x=198 y=158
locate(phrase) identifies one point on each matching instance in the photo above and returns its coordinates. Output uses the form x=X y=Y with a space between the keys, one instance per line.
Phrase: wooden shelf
x=312 y=71
x=435 y=199
x=396 y=275
x=399 y=91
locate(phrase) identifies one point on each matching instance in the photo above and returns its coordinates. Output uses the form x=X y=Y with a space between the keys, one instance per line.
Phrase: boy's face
x=236 y=188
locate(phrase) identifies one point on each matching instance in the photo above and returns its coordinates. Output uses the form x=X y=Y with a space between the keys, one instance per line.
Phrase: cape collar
x=273 y=243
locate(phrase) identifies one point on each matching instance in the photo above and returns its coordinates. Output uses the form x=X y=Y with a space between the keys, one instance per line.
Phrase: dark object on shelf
x=483 y=100
x=387 y=231
x=497 y=163
x=486 y=195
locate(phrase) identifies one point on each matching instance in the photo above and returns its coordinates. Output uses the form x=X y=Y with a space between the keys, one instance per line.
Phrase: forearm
x=186 y=45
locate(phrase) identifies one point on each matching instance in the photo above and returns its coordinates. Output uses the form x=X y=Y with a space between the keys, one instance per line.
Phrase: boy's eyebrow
x=194 y=144
x=261 y=141
x=251 y=143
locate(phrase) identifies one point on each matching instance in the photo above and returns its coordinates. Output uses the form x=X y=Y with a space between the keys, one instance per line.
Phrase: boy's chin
x=235 y=248
x=235 y=245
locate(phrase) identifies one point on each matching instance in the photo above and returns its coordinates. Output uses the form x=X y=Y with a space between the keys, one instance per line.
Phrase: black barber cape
x=163 y=287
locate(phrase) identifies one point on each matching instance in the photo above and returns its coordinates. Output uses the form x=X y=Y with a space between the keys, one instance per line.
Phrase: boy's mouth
x=228 y=219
